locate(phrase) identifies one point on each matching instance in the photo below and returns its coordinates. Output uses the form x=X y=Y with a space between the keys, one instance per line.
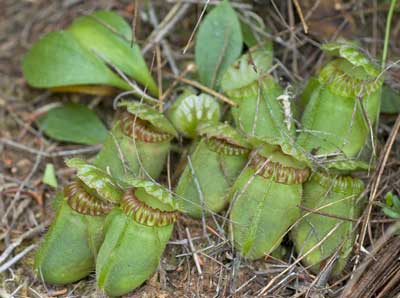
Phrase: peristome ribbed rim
x=278 y=172
x=144 y=214
x=80 y=200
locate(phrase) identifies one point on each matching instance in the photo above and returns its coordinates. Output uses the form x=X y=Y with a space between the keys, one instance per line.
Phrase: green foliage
x=341 y=104
x=49 y=176
x=73 y=123
x=96 y=179
x=68 y=251
x=392 y=207
x=241 y=78
x=257 y=166
x=129 y=254
x=191 y=110
x=107 y=34
x=150 y=114
x=335 y=197
x=58 y=59
x=390 y=101
x=133 y=243
x=203 y=185
x=219 y=43
x=78 y=56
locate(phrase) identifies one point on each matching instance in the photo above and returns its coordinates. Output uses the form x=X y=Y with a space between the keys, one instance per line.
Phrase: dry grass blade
x=174 y=15
x=378 y=275
x=375 y=182
x=206 y=89
x=273 y=280
x=300 y=12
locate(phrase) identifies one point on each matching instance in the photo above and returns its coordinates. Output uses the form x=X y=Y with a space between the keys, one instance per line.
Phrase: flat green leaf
x=391 y=212
x=390 y=101
x=73 y=123
x=109 y=35
x=49 y=176
x=58 y=59
x=396 y=202
x=219 y=43
x=391 y=208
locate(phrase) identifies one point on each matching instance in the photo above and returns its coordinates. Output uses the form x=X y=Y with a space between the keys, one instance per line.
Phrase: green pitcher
x=342 y=104
x=138 y=144
x=213 y=166
x=265 y=199
x=68 y=252
x=136 y=234
x=335 y=197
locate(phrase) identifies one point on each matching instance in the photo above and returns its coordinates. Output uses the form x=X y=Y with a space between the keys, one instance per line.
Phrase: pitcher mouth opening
x=347 y=83
x=143 y=213
x=224 y=146
x=142 y=130
x=340 y=184
x=278 y=172
x=83 y=202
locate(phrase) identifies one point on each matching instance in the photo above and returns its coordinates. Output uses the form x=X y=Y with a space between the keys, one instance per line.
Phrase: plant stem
x=387 y=32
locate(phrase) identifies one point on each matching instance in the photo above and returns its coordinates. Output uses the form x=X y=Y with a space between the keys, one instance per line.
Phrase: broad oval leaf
x=218 y=43
x=58 y=59
x=191 y=110
x=73 y=123
x=109 y=35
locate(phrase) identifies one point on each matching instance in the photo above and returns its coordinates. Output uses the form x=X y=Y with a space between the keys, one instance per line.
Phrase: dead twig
x=357 y=276
x=194 y=253
x=268 y=286
x=176 y=13
x=196 y=26
x=18 y=257
x=27 y=235
x=300 y=12
x=207 y=90
x=311 y=210
x=377 y=179
x=237 y=5
x=164 y=43
x=87 y=149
